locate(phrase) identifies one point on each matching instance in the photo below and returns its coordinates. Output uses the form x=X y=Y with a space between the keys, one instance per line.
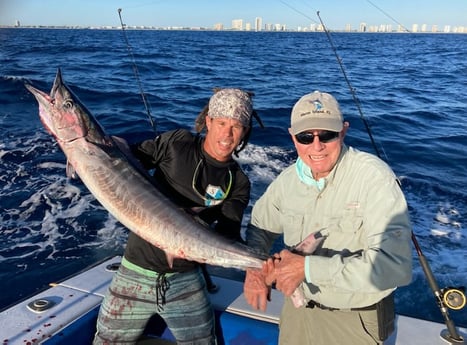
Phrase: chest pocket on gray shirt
x=292 y=225
x=348 y=233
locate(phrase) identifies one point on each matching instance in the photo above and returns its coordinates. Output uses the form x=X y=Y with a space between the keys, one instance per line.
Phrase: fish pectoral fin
x=70 y=171
x=171 y=257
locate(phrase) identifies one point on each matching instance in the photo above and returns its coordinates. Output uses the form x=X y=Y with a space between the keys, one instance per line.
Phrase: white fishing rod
x=452 y=298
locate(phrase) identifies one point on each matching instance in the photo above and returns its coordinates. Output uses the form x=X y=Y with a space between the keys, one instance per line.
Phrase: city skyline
x=293 y=14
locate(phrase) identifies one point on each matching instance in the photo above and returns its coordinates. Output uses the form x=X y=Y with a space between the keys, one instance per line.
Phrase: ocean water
x=411 y=87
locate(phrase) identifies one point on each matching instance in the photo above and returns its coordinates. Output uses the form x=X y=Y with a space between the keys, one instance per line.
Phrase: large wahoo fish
x=125 y=191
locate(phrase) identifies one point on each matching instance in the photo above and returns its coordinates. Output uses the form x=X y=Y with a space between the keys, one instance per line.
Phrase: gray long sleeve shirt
x=362 y=211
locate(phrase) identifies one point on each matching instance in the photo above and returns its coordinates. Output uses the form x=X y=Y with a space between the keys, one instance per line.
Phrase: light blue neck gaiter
x=305 y=175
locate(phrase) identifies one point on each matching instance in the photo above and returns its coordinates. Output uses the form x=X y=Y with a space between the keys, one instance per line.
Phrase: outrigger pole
x=453 y=298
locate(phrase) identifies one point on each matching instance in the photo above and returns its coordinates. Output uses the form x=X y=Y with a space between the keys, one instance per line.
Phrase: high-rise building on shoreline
x=258 y=23
x=237 y=24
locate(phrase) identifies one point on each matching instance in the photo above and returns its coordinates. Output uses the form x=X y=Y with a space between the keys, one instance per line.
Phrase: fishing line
x=299 y=12
x=136 y=73
x=443 y=296
x=352 y=90
x=387 y=15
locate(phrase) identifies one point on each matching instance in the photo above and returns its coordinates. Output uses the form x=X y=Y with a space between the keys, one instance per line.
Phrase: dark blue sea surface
x=411 y=88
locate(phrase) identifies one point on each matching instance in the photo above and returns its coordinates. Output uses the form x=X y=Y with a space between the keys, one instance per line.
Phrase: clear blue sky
x=205 y=13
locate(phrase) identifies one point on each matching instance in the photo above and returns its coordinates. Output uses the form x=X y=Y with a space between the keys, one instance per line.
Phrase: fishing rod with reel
x=446 y=298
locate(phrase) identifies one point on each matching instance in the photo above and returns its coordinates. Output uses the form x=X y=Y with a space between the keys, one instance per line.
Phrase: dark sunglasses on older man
x=307 y=137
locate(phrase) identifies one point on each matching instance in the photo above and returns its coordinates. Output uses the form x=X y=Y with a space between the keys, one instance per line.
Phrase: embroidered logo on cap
x=318 y=105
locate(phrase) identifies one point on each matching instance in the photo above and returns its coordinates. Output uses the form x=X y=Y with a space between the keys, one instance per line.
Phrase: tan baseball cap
x=316 y=110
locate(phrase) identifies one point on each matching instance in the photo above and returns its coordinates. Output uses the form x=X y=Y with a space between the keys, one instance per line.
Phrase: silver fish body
x=124 y=190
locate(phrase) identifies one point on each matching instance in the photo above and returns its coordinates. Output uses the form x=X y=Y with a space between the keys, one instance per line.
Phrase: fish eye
x=68 y=104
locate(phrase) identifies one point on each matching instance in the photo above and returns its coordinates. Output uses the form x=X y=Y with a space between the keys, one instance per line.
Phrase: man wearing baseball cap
x=350 y=198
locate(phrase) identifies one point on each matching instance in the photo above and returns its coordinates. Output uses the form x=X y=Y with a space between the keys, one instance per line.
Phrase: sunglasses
x=306 y=138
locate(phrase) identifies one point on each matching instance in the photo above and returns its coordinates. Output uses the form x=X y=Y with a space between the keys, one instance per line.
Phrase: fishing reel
x=454 y=298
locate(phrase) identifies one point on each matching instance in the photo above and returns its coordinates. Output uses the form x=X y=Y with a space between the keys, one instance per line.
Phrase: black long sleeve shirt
x=183 y=171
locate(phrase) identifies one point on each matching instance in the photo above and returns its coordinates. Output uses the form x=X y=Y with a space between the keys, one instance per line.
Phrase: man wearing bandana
x=200 y=175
